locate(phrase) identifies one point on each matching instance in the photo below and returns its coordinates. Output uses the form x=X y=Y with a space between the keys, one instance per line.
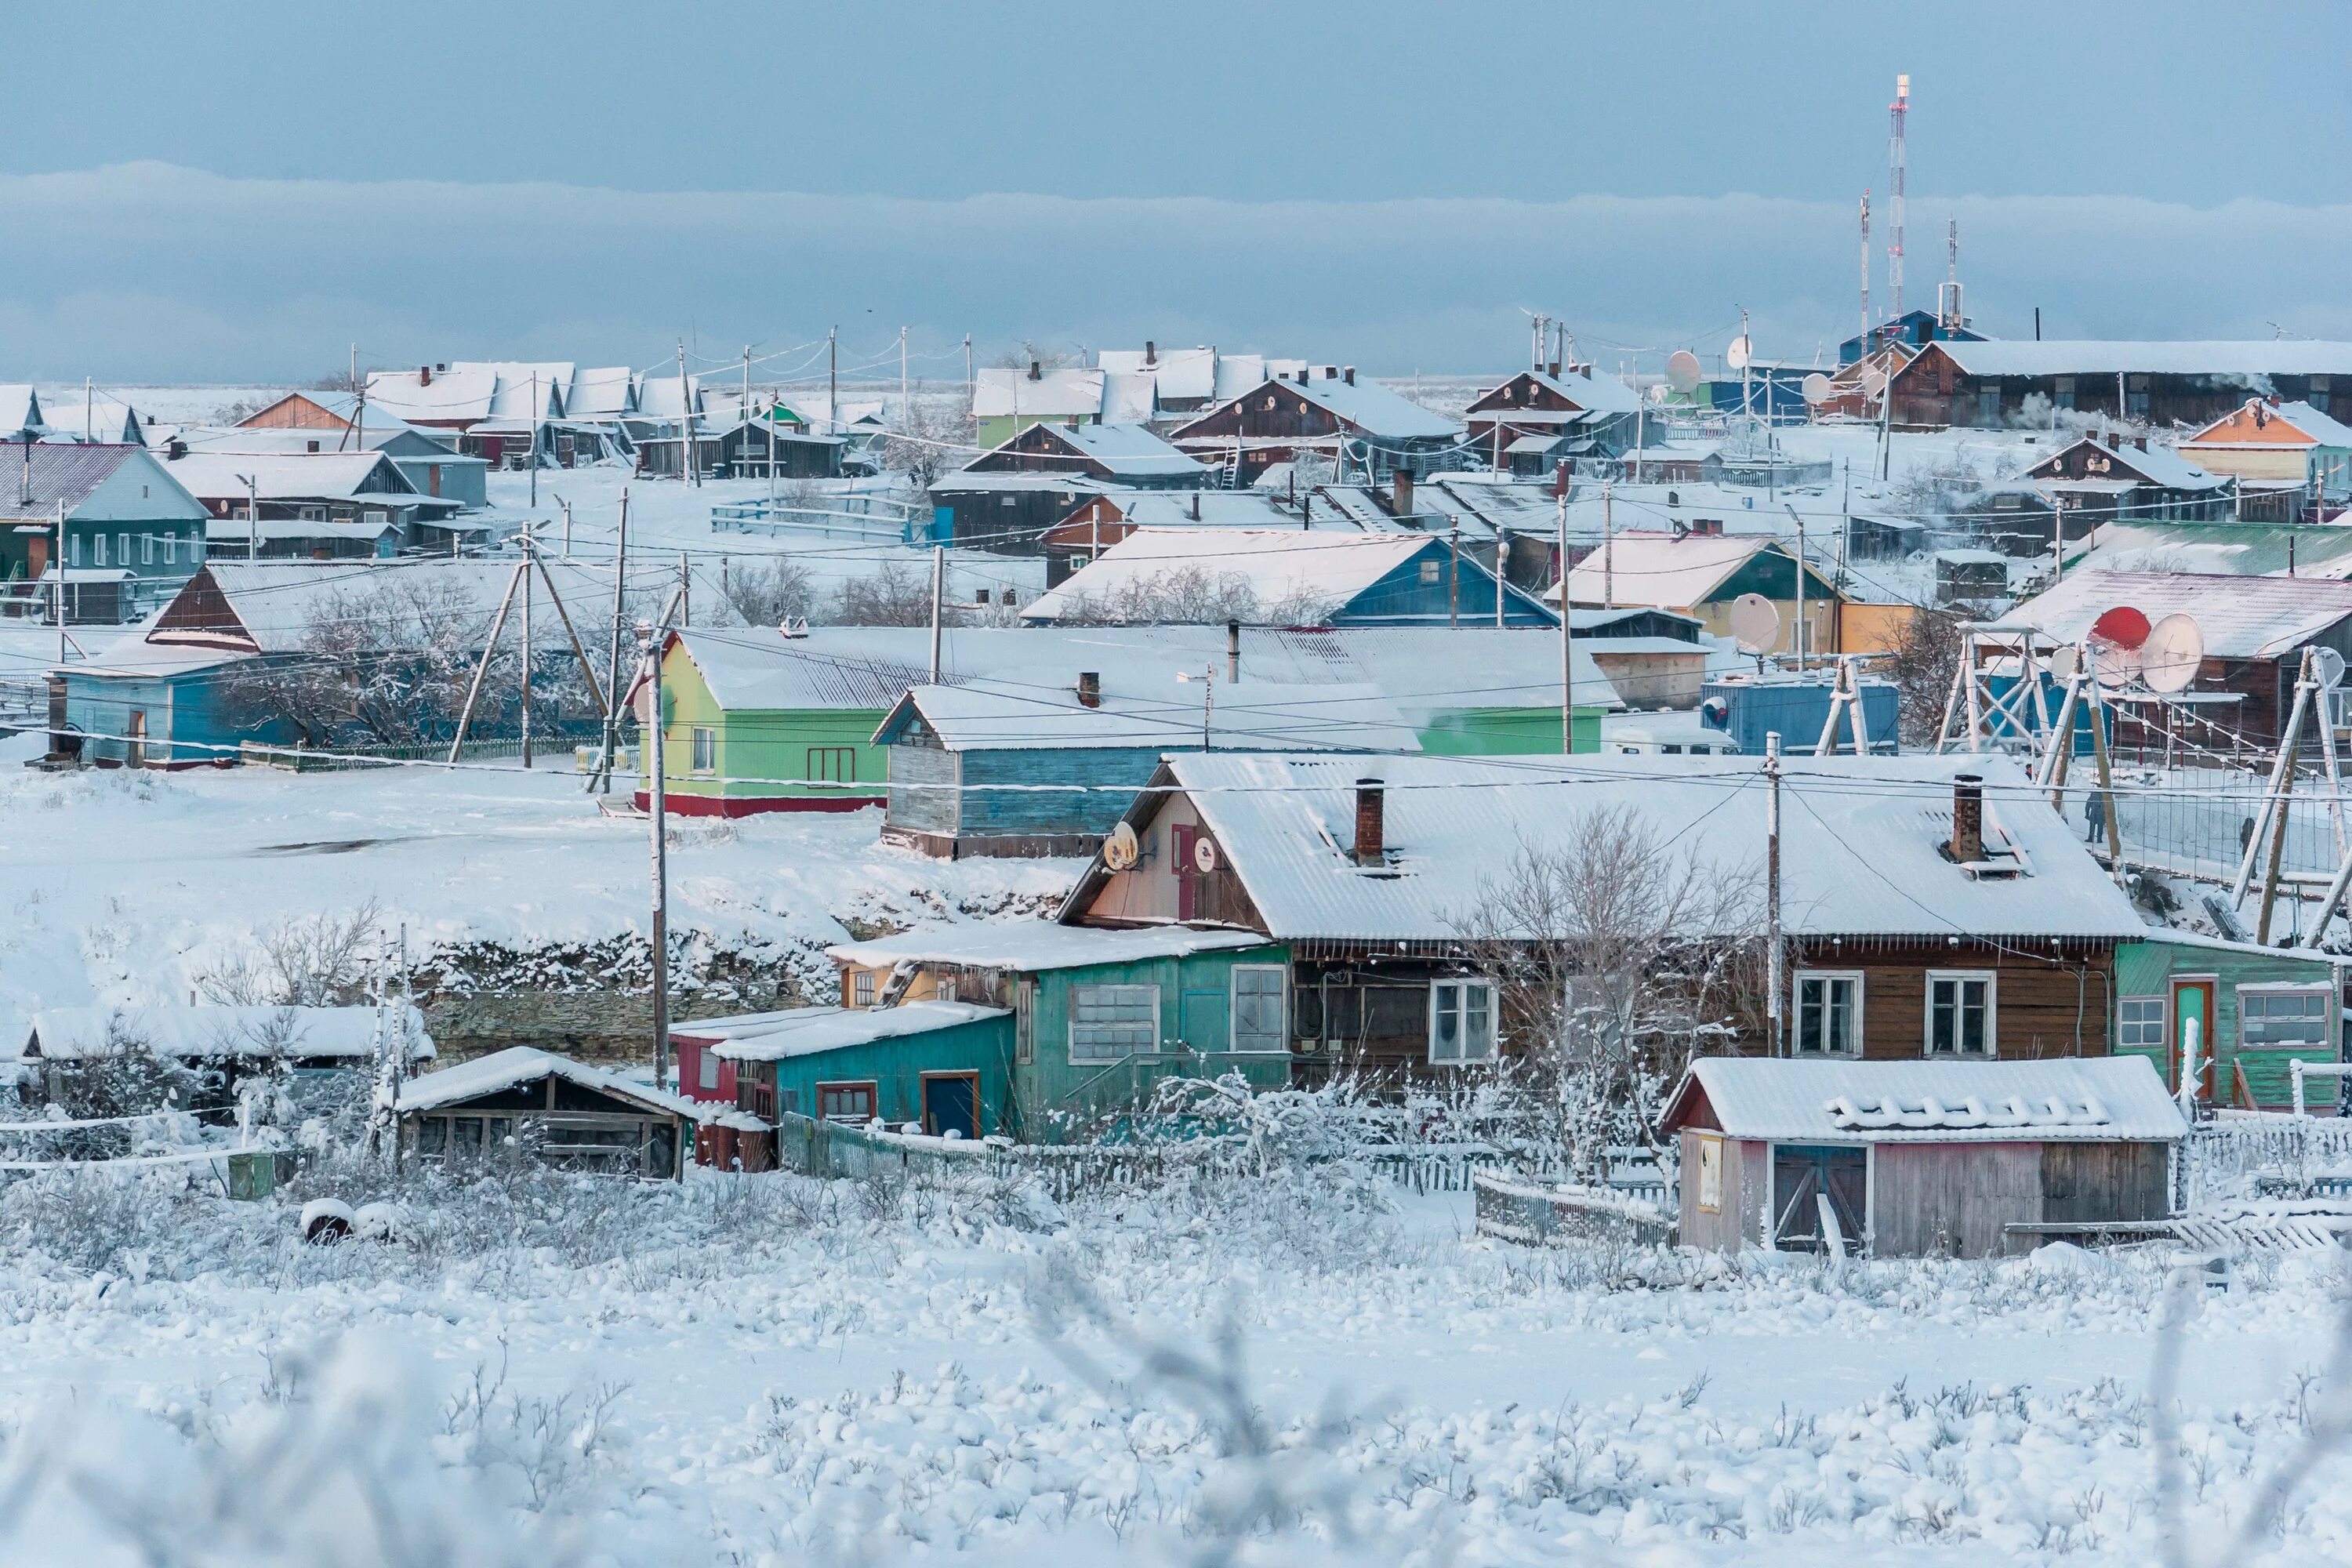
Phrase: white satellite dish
x=1817 y=389
x=2327 y=665
x=1755 y=623
x=2064 y=662
x=1874 y=381
x=1738 y=355
x=2114 y=665
x=1120 y=850
x=1204 y=856
x=1682 y=370
x=2174 y=648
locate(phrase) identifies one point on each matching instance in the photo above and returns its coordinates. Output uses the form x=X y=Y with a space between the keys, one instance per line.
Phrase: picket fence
x=2277 y=1153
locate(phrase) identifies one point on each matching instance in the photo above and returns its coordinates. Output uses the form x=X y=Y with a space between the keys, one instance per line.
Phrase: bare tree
x=768 y=594
x=893 y=594
x=1620 y=957
x=1192 y=595
x=933 y=435
x=318 y=961
x=1926 y=654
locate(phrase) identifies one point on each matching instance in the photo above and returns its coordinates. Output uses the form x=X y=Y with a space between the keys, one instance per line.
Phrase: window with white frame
x=1960 y=1012
x=706 y=750
x=123 y=550
x=861 y=988
x=2282 y=1015
x=2140 y=1024
x=1257 y=1010
x=1461 y=1022
x=99 y=547
x=1112 y=1023
x=708 y=1075
x=1829 y=1013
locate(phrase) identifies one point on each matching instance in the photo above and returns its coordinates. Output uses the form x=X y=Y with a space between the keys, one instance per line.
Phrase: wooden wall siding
x=1737 y=1221
x=928 y=809
x=2148 y=969
x=897 y=1066
x=1370 y=1019
x=1402 y=598
x=2105 y=1181
x=2036 y=1002
x=1248 y=415
x=1116 y=771
x=1952 y=1199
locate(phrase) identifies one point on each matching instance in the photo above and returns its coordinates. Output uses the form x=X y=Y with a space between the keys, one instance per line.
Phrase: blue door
x=951 y=1104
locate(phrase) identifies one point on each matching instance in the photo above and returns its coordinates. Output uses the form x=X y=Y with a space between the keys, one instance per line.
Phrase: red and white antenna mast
x=1896 y=112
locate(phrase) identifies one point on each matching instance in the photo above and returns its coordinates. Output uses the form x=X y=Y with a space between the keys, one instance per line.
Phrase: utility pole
x=1866 y=274
x=902 y=378
x=1773 y=957
x=833 y=380
x=603 y=779
x=656 y=814
x=58 y=573
x=1567 y=643
x=745 y=410
x=685 y=589
x=686 y=468
x=938 y=586
x=1799 y=520
x=252 y=519
x=534 y=439
x=527 y=562
x=969 y=385
x=567 y=526
x=1454 y=578
x=1608 y=552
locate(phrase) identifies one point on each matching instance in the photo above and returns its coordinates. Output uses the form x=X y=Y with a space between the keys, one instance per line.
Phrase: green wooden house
x=2258 y=1007
x=1026 y=1030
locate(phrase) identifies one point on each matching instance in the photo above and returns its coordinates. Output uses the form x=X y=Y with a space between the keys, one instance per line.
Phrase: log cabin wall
x=2047 y=1002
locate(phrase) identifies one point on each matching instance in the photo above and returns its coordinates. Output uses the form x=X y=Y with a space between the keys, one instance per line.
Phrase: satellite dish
x=1682 y=370
x=2122 y=627
x=2326 y=663
x=1874 y=381
x=1755 y=623
x=1204 y=856
x=1120 y=850
x=1738 y=354
x=1817 y=389
x=2175 y=647
x=2064 y=662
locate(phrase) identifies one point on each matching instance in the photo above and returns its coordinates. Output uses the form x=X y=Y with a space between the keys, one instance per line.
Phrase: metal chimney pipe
x=1370 y=812
x=1233 y=651
x=1968 y=819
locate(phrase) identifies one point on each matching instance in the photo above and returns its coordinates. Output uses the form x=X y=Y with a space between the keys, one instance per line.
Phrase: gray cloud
x=151 y=271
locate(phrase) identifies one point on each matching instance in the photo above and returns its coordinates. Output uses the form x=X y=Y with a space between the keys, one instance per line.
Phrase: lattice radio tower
x=1896 y=112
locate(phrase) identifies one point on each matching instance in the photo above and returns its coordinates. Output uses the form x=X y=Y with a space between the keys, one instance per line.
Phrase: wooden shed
x=526 y=1103
x=1918 y=1159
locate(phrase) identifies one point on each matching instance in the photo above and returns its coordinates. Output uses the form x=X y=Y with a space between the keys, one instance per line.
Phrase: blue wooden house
x=1026 y=762
x=1400 y=576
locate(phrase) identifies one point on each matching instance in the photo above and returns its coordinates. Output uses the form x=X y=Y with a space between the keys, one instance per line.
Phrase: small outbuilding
x=1918 y=1159
x=532 y=1103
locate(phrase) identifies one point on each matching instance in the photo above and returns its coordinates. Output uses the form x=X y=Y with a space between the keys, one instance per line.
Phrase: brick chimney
x=1371 y=801
x=1400 y=491
x=1348 y=374
x=423 y=376
x=1968 y=819
x=1037 y=371
x=1090 y=689
x=1552 y=370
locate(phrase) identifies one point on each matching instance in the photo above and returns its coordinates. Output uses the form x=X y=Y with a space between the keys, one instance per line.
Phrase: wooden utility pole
x=1567 y=643
x=534 y=439
x=527 y=564
x=1454 y=578
x=2281 y=787
x=657 y=815
x=482 y=669
x=602 y=780
x=1608 y=556
x=938 y=588
x=1773 y=958
x=688 y=468
x=833 y=380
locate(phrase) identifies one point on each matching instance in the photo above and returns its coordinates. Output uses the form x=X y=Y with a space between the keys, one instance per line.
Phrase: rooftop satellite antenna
x=2064 y=662
x=1817 y=390
x=1738 y=353
x=2175 y=646
x=2116 y=640
x=1682 y=370
x=1755 y=623
x=1120 y=850
x=2327 y=666
x=1874 y=381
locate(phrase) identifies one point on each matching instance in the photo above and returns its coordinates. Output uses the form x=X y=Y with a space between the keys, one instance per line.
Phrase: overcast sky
x=195 y=193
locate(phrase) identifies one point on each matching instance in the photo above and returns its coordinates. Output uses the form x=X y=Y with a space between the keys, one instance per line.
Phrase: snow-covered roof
x=1032 y=947
x=1644 y=567
x=1862 y=839
x=287 y=441
x=2070 y=1101
x=1055 y=395
x=2249 y=358
x=806 y=1031
x=450 y=397
x=20 y=409
x=1425 y=668
x=1375 y=410
x=235 y=530
x=518 y=1064
x=73 y=1034
x=859 y=668
x=1139 y=712
x=271 y=605
x=1128 y=399
x=299 y=476
x=2242 y=617
x=2321 y=429
x=660 y=397
x=1129 y=451
x=2230 y=549
x=1292 y=567
x=1175 y=372
x=73 y=473
x=601 y=392
x=516 y=381
x=2158 y=465
x=1217 y=508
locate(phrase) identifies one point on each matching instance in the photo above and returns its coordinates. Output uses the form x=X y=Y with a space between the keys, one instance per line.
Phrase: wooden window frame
x=1494 y=1041
x=2323 y=990
x=1991 y=980
x=830 y=764
x=1071 y=1041
x=1796 y=1015
x=1709 y=1192
x=1234 y=1009
x=706 y=1066
x=2163 y=1042
x=703 y=756
x=873 y=1089
x=863 y=988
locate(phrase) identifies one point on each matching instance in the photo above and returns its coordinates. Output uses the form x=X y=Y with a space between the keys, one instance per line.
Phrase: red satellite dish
x=2122 y=627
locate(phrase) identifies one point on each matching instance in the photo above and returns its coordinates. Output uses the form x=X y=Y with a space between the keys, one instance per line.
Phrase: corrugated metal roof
x=1126 y=449
x=1860 y=840
x=524 y=1064
x=1644 y=567
x=1140 y=712
x=329 y=475
x=808 y=1031
x=759 y=668
x=1276 y=567
x=1602 y=394
x=2099 y=356
x=2082 y=1100
x=2242 y=617
x=2227 y=549
x=1007 y=392
x=1377 y=410
x=62 y=471
x=1034 y=946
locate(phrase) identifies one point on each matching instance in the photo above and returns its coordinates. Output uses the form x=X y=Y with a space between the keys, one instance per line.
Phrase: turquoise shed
x=2258 y=1009
x=941 y=1065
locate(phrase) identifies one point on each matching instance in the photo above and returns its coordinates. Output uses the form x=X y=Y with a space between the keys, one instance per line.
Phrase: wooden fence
x=2300 y=1154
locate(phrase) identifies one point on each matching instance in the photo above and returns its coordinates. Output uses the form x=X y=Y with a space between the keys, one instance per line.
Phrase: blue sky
x=224 y=192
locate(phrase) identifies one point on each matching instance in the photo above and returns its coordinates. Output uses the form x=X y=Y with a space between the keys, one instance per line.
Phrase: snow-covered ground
x=768 y=1371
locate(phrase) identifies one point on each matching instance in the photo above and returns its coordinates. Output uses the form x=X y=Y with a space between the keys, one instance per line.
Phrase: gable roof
x=2100 y=356
x=518 y=1064
x=2224 y=549
x=267 y=606
x=1860 y=840
x=1646 y=567
x=603 y=391
x=1033 y=947
x=1149 y=710
x=1217 y=508
x=2258 y=423
x=808 y=1031
x=1172 y=373
x=20 y=410
x=2077 y=1101
x=1369 y=407
x=76 y=1034
x=76 y=472
x=2242 y=617
x=453 y=396
x=2157 y=465
x=1000 y=392
x=217 y=475
x=1594 y=394
x=1128 y=451
x=863 y=670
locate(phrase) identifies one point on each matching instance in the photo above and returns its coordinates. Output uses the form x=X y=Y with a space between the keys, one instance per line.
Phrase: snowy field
x=1301 y=1369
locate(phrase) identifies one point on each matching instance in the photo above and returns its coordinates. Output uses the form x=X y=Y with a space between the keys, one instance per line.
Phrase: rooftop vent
x=1371 y=814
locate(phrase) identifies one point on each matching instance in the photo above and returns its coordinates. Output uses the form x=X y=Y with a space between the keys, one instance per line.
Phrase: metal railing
x=898 y=524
